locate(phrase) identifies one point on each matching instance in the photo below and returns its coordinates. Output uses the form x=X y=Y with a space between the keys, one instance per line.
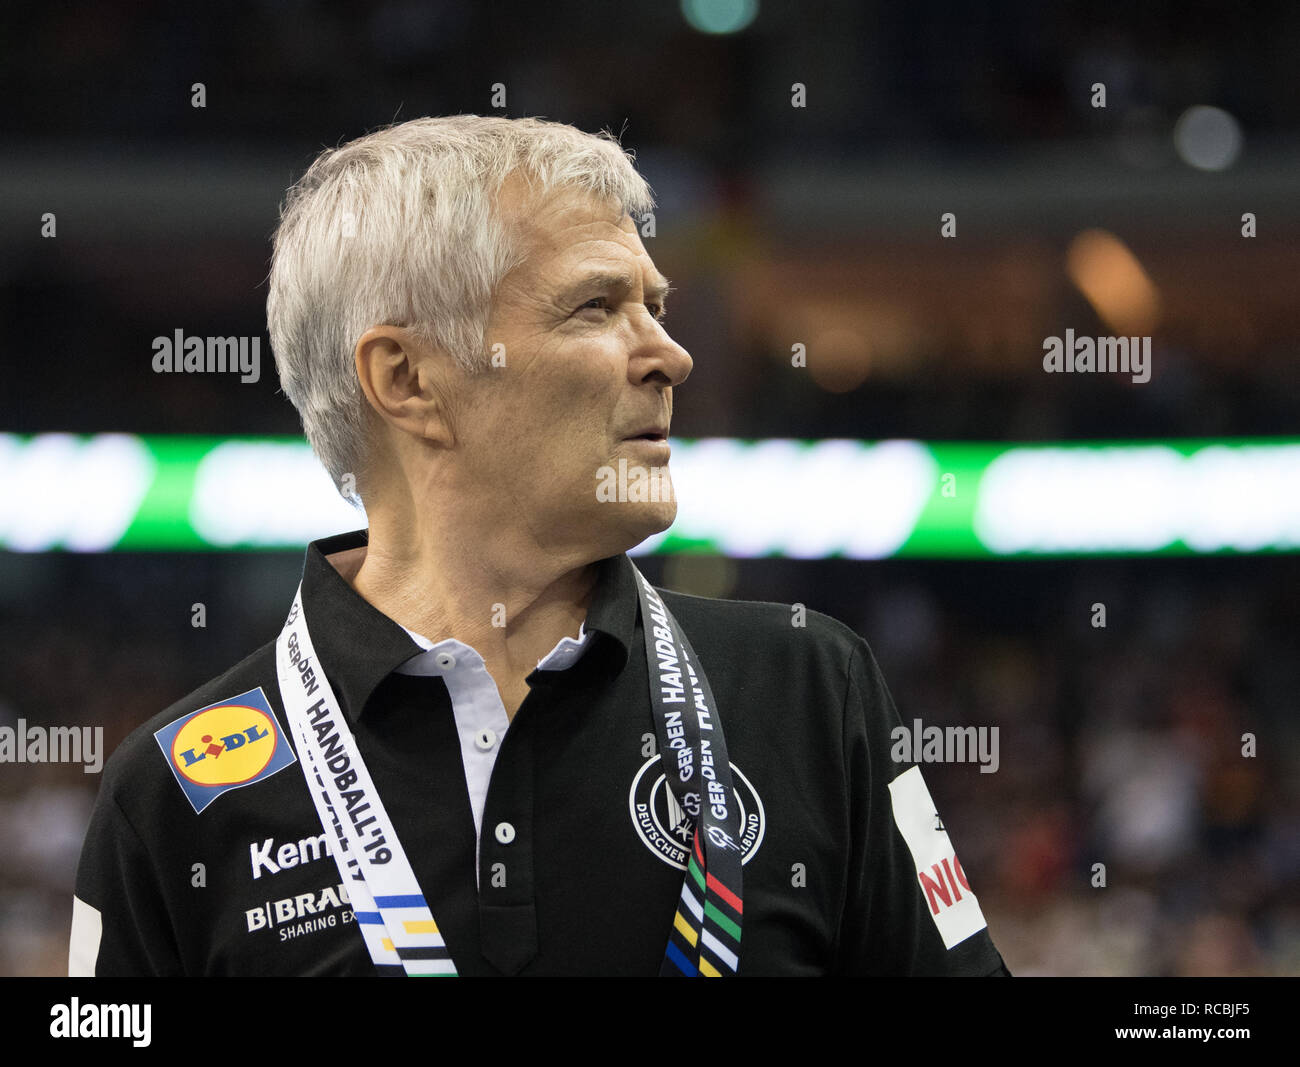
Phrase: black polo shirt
x=178 y=877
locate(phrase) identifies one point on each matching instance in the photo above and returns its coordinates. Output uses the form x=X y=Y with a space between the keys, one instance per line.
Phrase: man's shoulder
x=765 y=628
x=139 y=769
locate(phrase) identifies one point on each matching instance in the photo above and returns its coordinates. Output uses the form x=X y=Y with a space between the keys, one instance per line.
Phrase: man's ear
x=402 y=378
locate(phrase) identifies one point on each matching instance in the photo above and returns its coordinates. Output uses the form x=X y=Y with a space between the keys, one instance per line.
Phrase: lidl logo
x=226 y=745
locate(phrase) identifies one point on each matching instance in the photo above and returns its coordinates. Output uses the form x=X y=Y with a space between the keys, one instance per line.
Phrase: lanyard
x=391 y=912
x=705 y=935
x=390 y=909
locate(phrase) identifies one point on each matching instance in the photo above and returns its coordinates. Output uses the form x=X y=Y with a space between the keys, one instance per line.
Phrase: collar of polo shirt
x=363 y=646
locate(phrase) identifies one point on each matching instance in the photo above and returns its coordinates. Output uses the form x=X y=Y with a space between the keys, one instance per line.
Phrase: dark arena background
x=880 y=221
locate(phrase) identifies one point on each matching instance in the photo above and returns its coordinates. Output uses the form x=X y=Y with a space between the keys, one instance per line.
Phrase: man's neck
x=512 y=606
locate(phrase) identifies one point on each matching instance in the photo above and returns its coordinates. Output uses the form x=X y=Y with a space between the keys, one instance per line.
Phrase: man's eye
x=601 y=303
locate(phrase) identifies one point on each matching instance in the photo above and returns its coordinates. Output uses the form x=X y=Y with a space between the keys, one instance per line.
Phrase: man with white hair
x=483 y=744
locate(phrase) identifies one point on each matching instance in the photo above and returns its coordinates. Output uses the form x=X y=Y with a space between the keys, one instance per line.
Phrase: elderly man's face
x=587 y=377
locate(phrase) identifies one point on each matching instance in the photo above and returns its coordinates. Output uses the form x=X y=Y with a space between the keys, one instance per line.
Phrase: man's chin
x=659 y=515
x=632 y=502
x=624 y=525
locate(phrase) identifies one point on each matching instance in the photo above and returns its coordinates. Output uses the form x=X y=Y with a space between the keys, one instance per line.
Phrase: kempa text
x=272 y=859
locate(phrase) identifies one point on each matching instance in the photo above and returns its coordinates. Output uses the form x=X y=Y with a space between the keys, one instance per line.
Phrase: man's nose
x=658 y=353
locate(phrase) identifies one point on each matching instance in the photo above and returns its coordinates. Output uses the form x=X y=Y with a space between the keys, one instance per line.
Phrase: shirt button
x=445 y=660
x=485 y=739
x=505 y=833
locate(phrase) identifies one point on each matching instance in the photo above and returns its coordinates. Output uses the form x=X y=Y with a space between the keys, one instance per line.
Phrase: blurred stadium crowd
x=1119 y=746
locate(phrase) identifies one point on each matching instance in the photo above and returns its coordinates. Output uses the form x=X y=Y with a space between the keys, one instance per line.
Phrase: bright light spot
x=719 y=16
x=1207 y=138
x=65 y=491
x=265 y=493
x=1113 y=282
x=1242 y=498
x=1140 y=499
x=1087 y=499
x=846 y=497
x=839 y=360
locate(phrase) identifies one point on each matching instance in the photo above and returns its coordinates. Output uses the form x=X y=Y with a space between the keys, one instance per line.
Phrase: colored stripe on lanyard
x=394 y=919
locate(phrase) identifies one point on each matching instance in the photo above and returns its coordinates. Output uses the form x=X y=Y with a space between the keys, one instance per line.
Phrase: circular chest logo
x=226 y=745
x=667 y=831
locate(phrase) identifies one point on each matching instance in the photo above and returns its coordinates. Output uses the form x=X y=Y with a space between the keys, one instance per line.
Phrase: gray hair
x=400 y=228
